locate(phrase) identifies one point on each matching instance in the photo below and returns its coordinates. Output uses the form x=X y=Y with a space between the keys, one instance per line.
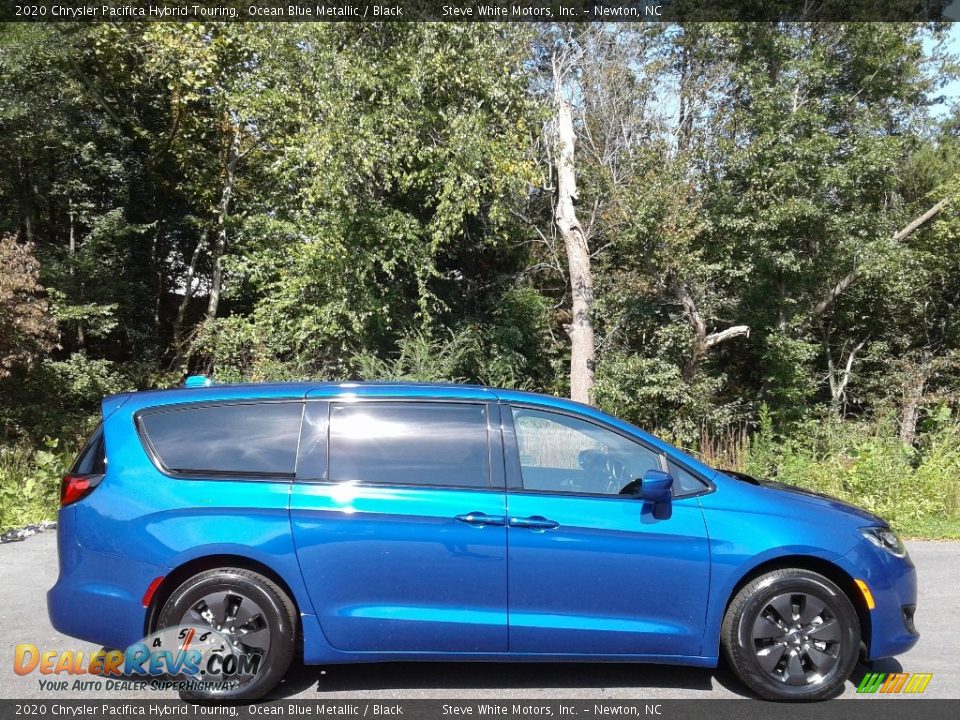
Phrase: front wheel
x=251 y=613
x=792 y=634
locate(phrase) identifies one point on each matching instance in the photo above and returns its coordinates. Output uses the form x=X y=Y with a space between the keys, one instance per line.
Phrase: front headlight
x=885 y=538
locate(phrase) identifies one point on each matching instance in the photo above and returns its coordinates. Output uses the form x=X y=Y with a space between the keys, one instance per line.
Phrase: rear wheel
x=251 y=612
x=792 y=635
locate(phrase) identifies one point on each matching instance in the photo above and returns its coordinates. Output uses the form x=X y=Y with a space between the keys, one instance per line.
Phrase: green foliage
x=651 y=393
x=789 y=383
x=30 y=482
x=61 y=398
x=377 y=202
x=865 y=464
x=420 y=358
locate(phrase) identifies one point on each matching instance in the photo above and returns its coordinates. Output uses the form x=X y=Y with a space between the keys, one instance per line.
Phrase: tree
x=580 y=329
x=813 y=127
x=383 y=209
x=26 y=328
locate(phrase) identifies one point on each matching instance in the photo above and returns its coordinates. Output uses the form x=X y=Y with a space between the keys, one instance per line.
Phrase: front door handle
x=479 y=518
x=534 y=522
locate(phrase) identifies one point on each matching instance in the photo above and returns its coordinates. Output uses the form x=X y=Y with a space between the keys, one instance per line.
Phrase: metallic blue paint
x=393 y=570
x=390 y=572
x=610 y=579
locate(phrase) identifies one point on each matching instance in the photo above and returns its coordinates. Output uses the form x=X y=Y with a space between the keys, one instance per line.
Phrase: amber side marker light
x=867 y=595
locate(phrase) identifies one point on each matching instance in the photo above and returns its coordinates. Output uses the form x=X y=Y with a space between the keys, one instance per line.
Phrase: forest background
x=742 y=237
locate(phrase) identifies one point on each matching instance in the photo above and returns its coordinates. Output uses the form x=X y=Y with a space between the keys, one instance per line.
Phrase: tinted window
x=92 y=460
x=559 y=453
x=409 y=444
x=239 y=439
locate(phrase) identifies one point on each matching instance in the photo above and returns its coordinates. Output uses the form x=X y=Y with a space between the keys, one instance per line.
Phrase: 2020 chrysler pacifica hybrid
x=364 y=522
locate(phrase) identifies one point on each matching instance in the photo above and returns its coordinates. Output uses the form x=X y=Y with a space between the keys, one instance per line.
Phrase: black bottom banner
x=867 y=708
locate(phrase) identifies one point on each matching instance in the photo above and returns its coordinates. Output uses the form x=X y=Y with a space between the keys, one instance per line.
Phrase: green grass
x=932 y=528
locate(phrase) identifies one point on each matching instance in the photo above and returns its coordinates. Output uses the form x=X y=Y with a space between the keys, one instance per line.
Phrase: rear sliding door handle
x=479 y=518
x=534 y=522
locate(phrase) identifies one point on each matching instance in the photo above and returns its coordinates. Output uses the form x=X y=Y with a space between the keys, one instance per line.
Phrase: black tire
x=809 y=658
x=270 y=602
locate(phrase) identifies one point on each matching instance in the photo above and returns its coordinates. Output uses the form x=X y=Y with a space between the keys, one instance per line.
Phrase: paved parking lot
x=29 y=568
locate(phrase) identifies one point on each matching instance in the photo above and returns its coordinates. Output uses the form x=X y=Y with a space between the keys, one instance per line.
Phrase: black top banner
x=572 y=11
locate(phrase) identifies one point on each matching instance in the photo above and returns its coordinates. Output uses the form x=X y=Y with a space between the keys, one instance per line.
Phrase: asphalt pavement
x=29 y=568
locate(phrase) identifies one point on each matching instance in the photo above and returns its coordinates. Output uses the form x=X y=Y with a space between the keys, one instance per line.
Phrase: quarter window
x=237 y=439
x=685 y=483
x=92 y=460
x=560 y=453
x=404 y=443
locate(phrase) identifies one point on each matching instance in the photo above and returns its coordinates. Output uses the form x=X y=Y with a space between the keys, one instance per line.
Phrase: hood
x=809 y=496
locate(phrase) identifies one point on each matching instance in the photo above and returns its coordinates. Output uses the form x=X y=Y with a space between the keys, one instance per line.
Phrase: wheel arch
x=833 y=572
x=188 y=569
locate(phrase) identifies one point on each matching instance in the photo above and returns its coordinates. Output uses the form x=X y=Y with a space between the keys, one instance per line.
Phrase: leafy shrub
x=865 y=463
x=61 y=398
x=420 y=358
x=30 y=482
x=652 y=394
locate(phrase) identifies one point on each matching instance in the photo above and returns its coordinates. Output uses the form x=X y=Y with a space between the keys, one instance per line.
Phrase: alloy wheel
x=796 y=639
x=237 y=617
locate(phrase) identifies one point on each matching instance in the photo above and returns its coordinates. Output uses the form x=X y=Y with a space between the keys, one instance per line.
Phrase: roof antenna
x=195 y=381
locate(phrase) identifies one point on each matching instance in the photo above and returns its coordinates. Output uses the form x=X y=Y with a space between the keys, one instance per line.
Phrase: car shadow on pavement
x=886 y=665
x=315 y=681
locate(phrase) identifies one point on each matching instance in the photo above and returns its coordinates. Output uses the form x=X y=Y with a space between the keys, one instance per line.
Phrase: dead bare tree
x=580 y=328
x=703 y=341
x=839 y=377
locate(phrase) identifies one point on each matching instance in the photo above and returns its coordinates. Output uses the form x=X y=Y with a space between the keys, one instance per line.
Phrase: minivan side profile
x=370 y=522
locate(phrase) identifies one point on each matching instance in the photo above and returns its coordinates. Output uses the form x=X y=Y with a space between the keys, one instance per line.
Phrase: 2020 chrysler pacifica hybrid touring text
x=366 y=522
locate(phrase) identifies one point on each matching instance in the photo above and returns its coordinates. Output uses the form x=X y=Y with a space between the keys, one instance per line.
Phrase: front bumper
x=893 y=584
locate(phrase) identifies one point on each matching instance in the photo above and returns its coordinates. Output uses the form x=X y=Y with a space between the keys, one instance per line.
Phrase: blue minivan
x=369 y=522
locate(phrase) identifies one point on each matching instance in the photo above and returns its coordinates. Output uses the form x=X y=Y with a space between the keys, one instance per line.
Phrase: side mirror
x=656 y=486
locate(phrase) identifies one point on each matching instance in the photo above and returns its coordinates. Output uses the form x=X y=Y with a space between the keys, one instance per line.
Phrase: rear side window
x=237 y=439
x=409 y=443
x=92 y=460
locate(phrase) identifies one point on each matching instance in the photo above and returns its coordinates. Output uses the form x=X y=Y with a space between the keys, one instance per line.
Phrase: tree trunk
x=839 y=378
x=912 y=397
x=26 y=200
x=185 y=300
x=580 y=329
x=223 y=215
x=913 y=390
x=81 y=337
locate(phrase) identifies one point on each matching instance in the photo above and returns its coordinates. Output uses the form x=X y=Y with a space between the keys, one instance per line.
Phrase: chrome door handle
x=479 y=518
x=534 y=522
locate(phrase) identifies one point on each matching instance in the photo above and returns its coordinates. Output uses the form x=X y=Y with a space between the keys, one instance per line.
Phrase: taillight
x=76 y=487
